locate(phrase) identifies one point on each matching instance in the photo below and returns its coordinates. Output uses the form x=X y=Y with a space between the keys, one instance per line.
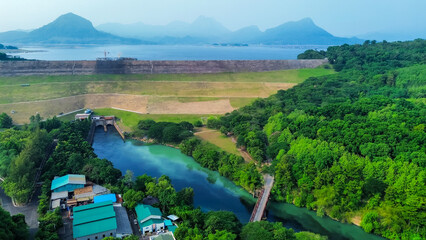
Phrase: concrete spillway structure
x=28 y=68
x=103 y=121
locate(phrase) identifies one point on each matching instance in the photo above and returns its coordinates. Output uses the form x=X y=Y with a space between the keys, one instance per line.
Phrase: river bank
x=212 y=191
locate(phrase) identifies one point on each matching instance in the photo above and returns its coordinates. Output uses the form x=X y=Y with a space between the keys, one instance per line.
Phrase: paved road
x=30 y=210
x=269 y=181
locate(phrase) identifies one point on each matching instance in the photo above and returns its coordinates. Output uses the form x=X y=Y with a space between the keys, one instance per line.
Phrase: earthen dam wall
x=28 y=68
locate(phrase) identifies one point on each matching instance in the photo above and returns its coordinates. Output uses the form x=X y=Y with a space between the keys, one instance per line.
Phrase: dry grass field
x=153 y=94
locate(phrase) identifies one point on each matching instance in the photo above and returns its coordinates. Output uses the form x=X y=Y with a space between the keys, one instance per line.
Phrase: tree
x=222 y=235
x=12 y=227
x=132 y=198
x=222 y=220
x=5 y=121
x=370 y=221
x=257 y=230
x=185 y=197
x=145 y=124
x=141 y=181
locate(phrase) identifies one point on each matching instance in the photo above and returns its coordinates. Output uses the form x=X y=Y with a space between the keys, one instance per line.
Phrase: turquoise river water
x=211 y=191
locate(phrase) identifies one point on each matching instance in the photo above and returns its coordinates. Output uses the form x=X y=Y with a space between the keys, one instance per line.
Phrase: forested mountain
x=350 y=145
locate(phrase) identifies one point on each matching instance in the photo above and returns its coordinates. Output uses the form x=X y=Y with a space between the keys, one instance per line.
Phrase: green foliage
x=49 y=224
x=75 y=155
x=372 y=56
x=198 y=123
x=228 y=165
x=5 y=121
x=350 y=142
x=132 y=198
x=267 y=231
x=312 y=54
x=370 y=221
x=221 y=220
x=12 y=227
x=165 y=132
x=22 y=169
x=222 y=235
x=309 y=236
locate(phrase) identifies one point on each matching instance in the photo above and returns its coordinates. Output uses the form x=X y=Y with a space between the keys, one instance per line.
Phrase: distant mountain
x=73 y=29
x=66 y=29
x=203 y=28
x=246 y=35
x=208 y=30
x=303 y=32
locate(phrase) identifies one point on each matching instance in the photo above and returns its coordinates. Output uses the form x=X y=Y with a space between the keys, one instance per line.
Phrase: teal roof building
x=149 y=218
x=94 y=221
x=68 y=183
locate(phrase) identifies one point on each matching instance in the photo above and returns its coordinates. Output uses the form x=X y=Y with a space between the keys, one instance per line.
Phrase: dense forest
x=73 y=154
x=352 y=144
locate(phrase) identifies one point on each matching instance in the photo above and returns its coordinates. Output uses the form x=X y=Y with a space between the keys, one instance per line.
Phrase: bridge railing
x=256 y=207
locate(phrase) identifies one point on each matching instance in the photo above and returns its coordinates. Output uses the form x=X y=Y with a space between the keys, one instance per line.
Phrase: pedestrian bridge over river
x=259 y=209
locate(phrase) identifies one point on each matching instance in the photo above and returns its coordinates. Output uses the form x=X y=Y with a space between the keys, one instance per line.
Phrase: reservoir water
x=211 y=191
x=164 y=52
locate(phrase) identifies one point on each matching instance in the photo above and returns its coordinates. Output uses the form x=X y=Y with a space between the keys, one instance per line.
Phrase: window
x=96 y=237
x=103 y=235
x=110 y=234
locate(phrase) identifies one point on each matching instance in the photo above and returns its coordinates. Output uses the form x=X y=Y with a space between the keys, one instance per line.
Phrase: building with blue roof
x=68 y=183
x=105 y=197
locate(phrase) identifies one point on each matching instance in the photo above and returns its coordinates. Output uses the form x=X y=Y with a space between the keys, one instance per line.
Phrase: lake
x=164 y=52
x=211 y=191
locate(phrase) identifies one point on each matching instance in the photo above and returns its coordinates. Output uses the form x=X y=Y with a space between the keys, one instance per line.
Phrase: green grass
x=216 y=138
x=197 y=99
x=288 y=76
x=241 y=102
x=240 y=88
x=179 y=85
x=69 y=117
x=130 y=119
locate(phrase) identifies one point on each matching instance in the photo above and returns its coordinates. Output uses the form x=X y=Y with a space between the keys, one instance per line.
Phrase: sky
x=339 y=17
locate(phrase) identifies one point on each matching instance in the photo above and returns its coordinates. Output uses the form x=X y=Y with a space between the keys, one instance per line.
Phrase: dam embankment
x=28 y=68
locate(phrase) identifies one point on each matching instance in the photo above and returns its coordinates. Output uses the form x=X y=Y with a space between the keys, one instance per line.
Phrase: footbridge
x=259 y=209
x=103 y=121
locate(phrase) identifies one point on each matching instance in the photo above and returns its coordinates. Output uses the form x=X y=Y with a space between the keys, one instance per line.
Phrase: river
x=211 y=191
x=163 y=52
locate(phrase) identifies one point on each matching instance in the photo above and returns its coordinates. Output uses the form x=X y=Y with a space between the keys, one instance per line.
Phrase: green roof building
x=94 y=221
x=149 y=218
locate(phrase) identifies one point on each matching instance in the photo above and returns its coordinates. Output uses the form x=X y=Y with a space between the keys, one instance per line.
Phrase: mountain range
x=73 y=29
x=66 y=29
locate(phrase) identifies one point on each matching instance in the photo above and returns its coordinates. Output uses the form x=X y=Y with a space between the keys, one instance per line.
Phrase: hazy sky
x=339 y=17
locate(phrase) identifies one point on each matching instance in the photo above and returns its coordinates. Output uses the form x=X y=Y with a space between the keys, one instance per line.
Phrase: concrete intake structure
x=103 y=121
x=124 y=66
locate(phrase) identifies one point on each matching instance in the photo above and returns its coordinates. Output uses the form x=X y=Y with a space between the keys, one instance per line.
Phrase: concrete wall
x=23 y=68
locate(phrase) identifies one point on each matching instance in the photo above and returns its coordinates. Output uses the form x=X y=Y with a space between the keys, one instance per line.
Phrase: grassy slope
x=240 y=88
x=218 y=139
x=288 y=76
x=128 y=120
x=222 y=85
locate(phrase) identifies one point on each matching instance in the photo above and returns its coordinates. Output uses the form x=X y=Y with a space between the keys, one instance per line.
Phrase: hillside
x=66 y=29
x=349 y=145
